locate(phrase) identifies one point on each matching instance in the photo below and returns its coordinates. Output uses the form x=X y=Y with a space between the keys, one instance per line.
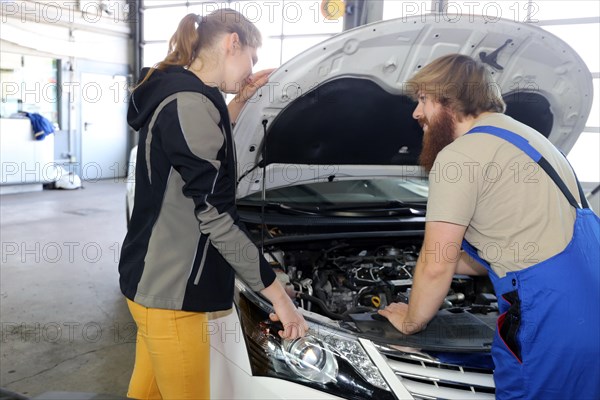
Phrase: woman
x=175 y=268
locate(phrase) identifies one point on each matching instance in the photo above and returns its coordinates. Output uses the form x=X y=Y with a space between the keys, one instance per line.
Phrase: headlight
x=325 y=359
x=311 y=359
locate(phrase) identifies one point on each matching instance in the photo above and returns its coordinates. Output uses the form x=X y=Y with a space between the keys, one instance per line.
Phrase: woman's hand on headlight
x=294 y=325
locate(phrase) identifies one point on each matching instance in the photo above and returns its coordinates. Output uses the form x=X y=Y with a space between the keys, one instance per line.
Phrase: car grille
x=426 y=378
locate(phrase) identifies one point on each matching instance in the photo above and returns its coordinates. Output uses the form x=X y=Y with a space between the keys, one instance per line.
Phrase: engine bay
x=342 y=278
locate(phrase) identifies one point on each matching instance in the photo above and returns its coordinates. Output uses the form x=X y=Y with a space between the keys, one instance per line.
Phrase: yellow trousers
x=172 y=355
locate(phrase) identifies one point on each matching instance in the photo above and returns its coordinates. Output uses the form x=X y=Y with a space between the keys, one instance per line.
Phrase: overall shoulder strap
x=528 y=149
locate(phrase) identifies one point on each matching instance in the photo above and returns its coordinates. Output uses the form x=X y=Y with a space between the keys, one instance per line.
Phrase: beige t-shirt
x=515 y=215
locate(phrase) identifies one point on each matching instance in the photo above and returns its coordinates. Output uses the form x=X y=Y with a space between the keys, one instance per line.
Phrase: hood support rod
x=263 y=189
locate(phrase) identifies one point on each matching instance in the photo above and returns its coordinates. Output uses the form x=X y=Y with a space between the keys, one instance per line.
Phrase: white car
x=339 y=211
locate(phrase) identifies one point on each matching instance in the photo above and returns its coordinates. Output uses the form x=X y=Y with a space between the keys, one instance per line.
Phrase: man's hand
x=433 y=274
x=397 y=314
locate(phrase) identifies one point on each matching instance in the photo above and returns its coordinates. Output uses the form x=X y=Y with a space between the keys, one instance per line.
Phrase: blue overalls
x=547 y=340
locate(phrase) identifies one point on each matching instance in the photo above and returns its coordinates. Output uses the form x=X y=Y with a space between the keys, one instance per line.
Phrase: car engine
x=344 y=279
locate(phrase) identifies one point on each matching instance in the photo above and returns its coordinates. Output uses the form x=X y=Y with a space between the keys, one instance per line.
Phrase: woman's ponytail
x=195 y=32
x=183 y=46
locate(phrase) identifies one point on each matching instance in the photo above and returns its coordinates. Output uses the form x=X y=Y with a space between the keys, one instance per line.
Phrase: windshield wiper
x=293 y=209
x=388 y=205
x=389 y=208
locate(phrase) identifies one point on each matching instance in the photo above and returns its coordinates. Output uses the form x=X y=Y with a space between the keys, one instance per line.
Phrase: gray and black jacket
x=185 y=241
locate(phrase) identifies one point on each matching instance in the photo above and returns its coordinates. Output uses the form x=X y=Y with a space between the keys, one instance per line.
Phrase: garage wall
x=94 y=30
x=84 y=37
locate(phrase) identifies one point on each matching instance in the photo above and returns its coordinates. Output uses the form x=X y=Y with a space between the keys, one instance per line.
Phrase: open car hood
x=338 y=110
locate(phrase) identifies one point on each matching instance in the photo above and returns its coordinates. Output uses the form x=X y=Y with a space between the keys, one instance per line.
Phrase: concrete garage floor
x=65 y=324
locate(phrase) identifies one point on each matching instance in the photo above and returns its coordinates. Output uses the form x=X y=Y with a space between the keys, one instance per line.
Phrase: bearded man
x=512 y=208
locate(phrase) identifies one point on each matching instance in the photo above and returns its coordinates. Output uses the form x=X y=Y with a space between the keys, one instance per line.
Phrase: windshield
x=350 y=192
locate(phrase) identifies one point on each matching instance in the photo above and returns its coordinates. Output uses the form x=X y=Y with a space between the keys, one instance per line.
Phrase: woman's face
x=238 y=67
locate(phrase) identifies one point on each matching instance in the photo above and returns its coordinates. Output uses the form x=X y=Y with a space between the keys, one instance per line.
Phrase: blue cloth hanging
x=42 y=127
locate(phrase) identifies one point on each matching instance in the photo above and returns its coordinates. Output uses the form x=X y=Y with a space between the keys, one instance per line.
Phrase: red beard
x=440 y=133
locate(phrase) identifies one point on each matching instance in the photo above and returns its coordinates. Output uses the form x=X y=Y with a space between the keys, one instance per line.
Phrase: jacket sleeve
x=195 y=146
